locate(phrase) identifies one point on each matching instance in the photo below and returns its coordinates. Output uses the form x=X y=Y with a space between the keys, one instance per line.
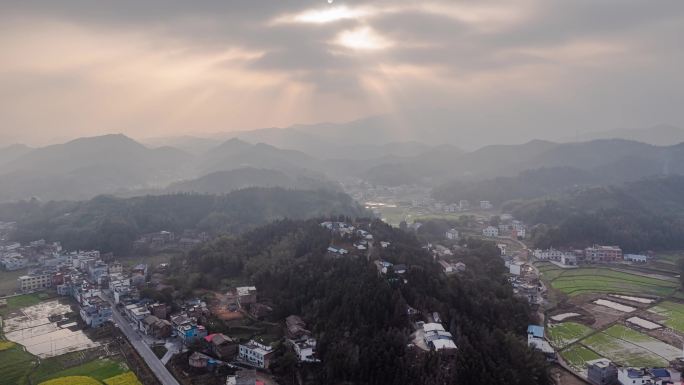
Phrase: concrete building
x=535 y=340
x=502 y=248
x=187 y=329
x=646 y=376
x=602 y=254
x=602 y=372
x=638 y=258
x=255 y=354
x=490 y=231
x=437 y=338
x=452 y=234
x=222 y=346
x=95 y=312
x=13 y=261
x=569 y=259
x=246 y=295
x=515 y=268
x=35 y=281
x=305 y=349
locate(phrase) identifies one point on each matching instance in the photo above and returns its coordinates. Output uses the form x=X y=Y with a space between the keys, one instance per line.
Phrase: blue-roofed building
x=535 y=331
x=660 y=373
x=647 y=376
x=535 y=340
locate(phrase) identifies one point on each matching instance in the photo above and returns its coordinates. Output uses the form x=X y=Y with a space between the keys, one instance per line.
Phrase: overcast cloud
x=519 y=69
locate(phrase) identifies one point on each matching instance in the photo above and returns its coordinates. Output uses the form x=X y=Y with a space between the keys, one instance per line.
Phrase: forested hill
x=113 y=224
x=643 y=215
x=360 y=317
x=528 y=184
x=222 y=182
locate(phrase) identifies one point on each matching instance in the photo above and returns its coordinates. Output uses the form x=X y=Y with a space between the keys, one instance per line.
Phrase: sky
x=524 y=68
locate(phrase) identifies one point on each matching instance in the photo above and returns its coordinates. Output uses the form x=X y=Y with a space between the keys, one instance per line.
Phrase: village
x=574 y=333
x=93 y=295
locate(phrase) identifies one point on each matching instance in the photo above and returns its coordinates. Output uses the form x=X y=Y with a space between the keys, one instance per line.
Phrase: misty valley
x=341 y=192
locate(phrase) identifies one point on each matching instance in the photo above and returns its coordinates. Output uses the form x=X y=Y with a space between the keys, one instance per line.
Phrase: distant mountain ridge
x=12 y=152
x=612 y=159
x=222 y=182
x=236 y=153
x=660 y=135
x=117 y=164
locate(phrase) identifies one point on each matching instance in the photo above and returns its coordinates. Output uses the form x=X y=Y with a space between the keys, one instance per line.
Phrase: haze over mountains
x=305 y=157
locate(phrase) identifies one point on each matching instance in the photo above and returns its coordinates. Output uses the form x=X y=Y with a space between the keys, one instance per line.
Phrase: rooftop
x=536 y=331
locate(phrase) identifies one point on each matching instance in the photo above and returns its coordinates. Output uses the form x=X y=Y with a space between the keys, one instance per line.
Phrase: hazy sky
x=165 y=67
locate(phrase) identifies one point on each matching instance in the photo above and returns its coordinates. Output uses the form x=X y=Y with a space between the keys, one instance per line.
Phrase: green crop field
x=601 y=280
x=549 y=271
x=98 y=369
x=578 y=355
x=15 y=365
x=628 y=347
x=20 y=301
x=674 y=313
x=564 y=334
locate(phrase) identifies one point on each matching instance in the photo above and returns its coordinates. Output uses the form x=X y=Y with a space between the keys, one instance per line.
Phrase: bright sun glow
x=363 y=38
x=329 y=15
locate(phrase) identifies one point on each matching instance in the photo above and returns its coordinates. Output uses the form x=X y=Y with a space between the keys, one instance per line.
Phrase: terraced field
x=628 y=347
x=566 y=333
x=674 y=313
x=578 y=355
x=601 y=280
x=548 y=270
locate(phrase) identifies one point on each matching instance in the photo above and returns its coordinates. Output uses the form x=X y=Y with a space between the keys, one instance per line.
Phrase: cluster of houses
x=604 y=372
x=59 y=268
x=351 y=239
x=444 y=257
x=79 y=275
x=451 y=268
x=513 y=228
x=591 y=254
x=525 y=281
x=219 y=348
x=252 y=353
x=385 y=267
x=301 y=339
x=166 y=239
x=436 y=337
x=15 y=256
x=440 y=207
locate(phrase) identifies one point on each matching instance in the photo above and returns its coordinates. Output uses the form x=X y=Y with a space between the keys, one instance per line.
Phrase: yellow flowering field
x=127 y=378
x=72 y=380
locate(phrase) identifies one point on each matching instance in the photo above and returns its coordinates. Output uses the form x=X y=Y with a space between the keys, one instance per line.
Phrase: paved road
x=159 y=370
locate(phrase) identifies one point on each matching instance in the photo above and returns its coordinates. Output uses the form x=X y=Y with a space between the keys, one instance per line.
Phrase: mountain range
x=116 y=164
x=660 y=135
x=611 y=159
